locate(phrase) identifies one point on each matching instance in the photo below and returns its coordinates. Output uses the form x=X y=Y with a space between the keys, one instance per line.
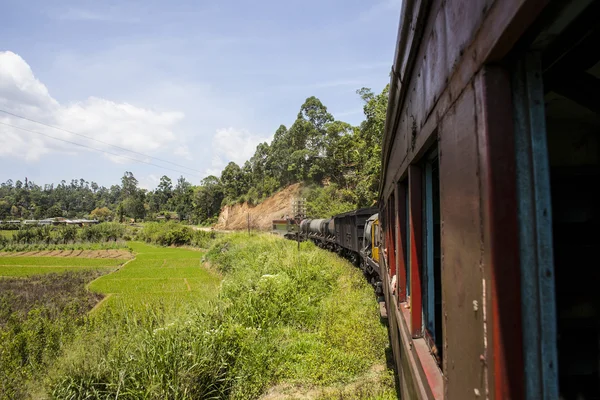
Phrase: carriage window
x=402 y=249
x=392 y=227
x=407 y=240
x=431 y=279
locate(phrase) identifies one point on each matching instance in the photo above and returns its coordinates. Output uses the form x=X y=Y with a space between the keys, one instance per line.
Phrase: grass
x=159 y=285
x=26 y=266
x=282 y=319
x=7 y=234
x=159 y=274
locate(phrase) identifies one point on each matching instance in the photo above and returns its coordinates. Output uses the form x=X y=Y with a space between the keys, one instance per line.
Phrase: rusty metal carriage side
x=445 y=92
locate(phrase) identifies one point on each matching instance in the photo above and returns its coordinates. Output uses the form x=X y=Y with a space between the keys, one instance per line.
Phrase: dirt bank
x=261 y=216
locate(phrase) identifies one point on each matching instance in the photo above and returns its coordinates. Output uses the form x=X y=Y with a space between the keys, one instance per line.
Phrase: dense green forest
x=316 y=150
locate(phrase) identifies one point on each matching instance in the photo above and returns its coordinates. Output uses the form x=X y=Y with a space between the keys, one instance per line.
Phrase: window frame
x=403 y=241
x=429 y=317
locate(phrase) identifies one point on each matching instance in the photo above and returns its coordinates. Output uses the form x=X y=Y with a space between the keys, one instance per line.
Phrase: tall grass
x=38 y=316
x=282 y=317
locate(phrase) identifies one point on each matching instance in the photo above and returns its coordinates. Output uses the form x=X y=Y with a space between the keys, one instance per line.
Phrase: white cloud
x=120 y=124
x=183 y=151
x=230 y=144
x=149 y=182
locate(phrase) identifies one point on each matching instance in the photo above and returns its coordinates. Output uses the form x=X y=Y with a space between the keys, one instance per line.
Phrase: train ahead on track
x=354 y=235
x=488 y=207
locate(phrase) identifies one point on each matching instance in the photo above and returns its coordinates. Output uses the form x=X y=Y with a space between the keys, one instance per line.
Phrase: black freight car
x=349 y=231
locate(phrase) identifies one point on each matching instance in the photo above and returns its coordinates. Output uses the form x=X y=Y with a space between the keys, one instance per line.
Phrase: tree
x=14 y=210
x=315 y=149
x=4 y=209
x=369 y=138
x=129 y=185
x=208 y=198
x=182 y=198
x=121 y=212
x=232 y=180
x=102 y=214
x=164 y=191
x=133 y=206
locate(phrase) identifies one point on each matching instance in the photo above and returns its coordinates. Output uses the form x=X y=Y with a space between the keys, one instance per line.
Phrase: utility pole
x=299 y=208
x=299 y=213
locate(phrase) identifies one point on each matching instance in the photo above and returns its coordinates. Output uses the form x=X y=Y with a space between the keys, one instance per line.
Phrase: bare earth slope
x=261 y=216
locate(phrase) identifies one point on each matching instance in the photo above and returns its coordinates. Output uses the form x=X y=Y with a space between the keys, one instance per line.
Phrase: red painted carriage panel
x=401 y=240
x=416 y=249
x=500 y=228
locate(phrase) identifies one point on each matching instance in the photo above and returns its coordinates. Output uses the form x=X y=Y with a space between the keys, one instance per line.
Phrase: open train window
x=431 y=274
x=392 y=230
x=571 y=84
x=407 y=244
x=556 y=92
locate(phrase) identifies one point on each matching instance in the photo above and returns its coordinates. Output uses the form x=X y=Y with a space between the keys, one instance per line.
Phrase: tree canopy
x=316 y=149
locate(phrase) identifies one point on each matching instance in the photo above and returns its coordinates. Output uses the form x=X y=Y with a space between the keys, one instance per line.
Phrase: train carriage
x=349 y=228
x=488 y=200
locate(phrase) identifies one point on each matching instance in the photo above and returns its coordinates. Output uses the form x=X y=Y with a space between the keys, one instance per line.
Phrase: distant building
x=81 y=222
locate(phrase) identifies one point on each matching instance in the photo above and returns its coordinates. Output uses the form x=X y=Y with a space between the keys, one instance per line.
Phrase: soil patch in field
x=54 y=292
x=120 y=254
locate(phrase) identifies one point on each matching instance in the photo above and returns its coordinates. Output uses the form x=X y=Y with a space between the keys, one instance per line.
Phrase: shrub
x=42 y=237
x=325 y=202
x=175 y=234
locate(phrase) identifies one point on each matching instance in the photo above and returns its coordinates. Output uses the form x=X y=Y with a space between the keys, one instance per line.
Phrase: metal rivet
x=476 y=392
x=475 y=305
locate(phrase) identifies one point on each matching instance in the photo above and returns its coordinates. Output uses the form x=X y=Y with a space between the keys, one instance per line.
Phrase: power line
x=95 y=149
x=96 y=140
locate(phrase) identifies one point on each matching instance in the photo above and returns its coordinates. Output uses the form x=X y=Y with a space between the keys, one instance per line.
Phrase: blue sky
x=198 y=83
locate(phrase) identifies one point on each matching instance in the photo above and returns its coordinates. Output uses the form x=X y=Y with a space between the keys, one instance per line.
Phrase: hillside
x=236 y=217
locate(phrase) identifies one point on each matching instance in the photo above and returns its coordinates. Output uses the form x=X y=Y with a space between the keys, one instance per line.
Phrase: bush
x=175 y=234
x=325 y=202
x=104 y=232
x=45 y=237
